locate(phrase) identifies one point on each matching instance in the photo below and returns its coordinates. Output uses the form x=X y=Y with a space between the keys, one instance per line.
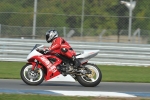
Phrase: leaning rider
x=60 y=46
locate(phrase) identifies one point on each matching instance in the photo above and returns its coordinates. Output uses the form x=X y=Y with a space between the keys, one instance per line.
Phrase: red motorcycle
x=46 y=66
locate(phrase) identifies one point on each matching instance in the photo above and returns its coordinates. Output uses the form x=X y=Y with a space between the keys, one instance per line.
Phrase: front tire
x=90 y=80
x=31 y=77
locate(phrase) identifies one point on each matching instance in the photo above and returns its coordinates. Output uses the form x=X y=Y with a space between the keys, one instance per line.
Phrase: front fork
x=51 y=70
x=34 y=65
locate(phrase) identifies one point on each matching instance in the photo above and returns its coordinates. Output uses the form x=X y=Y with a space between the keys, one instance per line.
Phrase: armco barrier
x=110 y=53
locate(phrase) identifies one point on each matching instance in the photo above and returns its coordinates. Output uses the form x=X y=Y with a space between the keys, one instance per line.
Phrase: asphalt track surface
x=13 y=85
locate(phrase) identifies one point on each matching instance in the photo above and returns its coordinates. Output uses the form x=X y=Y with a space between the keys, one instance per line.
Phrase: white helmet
x=51 y=35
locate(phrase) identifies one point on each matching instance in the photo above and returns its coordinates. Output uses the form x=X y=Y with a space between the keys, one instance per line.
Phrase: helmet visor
x=47 y=37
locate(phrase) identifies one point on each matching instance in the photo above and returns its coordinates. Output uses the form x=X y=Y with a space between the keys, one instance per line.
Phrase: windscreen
x=36 y=46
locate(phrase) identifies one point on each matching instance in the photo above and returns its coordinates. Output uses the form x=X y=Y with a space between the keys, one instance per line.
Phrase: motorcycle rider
x=60 y=46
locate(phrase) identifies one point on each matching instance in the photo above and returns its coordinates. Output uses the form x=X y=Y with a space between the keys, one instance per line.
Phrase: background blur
x=76 y=20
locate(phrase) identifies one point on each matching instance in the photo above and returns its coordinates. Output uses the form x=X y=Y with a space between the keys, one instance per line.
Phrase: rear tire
x=31 y=77
x=90 y=80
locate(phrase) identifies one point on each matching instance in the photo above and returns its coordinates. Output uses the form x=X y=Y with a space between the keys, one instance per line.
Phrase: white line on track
x=91 y=93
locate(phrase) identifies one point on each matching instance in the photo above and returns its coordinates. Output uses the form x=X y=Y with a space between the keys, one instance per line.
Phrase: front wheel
x=92 y=79
x=31 y=77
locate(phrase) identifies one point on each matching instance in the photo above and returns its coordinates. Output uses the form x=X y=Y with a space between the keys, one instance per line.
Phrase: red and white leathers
x=59 y=43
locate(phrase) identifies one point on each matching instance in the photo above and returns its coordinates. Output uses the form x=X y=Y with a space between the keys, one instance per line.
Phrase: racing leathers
x=60 y=46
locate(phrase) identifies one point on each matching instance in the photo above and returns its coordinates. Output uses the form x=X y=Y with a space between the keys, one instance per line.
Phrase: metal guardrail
x=110 y=53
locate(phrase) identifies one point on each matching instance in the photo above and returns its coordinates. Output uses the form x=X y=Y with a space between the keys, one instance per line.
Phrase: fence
x=110 y=53
x=78 y=20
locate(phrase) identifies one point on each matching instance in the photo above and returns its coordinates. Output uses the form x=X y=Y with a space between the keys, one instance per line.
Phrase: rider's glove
x=40 y=49
x=46 y=51
x=43 y=50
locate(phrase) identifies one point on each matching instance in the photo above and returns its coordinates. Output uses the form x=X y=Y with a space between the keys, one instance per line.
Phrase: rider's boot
x=77 y=63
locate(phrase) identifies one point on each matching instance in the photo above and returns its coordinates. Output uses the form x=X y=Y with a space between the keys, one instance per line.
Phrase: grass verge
x=49 y=97
x=38 y=97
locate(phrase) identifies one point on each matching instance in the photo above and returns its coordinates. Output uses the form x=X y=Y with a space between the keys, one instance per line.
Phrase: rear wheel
x=92 y=79
x=31 y=77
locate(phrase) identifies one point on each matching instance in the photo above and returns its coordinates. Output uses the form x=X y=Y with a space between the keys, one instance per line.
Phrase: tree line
x=103 y=14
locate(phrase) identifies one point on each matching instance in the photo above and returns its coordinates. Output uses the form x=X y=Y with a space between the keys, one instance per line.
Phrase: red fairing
x=51 y=68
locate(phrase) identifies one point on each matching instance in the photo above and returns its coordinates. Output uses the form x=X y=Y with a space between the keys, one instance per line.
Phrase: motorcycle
x=47 y=65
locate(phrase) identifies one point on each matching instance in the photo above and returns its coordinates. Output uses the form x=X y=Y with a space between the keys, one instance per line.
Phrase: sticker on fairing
x=52 y=68
x=45 y=60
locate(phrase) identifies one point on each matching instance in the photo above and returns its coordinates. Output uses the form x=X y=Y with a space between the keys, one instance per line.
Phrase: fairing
x=86 y=55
